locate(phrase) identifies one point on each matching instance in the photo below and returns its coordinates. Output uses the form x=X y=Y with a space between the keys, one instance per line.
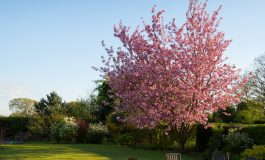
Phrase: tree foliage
x=105 y=100
x=52 y=103
x=177 y=75
x=83 y=109
x=49 y=110
x=257 y=83
x=249 y=112
x=246 y=112
x=22 y=107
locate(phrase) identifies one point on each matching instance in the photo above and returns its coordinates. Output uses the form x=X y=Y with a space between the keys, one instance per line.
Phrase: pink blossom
x=175 y=75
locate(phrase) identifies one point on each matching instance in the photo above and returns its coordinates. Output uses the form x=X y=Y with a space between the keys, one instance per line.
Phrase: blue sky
x=51 y=45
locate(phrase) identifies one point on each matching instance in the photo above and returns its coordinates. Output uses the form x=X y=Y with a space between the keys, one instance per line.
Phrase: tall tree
x=105 y=100
x=22 y=107
x=52 y=103
x=48 y=110
x=175 y=75
x=83 y=109
x=257 y=83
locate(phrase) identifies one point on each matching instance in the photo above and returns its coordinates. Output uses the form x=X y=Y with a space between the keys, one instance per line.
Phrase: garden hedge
x=11 y=126
x=256 y=132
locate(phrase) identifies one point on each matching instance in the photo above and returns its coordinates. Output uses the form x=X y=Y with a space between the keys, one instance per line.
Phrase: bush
x=124 y=139
x=150 y=139
x=255 y=132
x=257 y=152
x=236 y=142
x=69 y=128
x=37 y=127
x=63 y=130
x=218 y=142
x=143 y=136
x=97 y=133
x=82 y=131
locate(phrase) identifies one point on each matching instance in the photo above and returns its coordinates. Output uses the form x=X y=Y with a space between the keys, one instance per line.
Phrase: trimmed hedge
x=12 y=126
x=256 y=132
x=137 y=136
x=259 y=122
x=150 y=139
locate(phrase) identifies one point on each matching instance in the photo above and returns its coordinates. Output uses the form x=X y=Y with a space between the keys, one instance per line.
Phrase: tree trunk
x=183 y=133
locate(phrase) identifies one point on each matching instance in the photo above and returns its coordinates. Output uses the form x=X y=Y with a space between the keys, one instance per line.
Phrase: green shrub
x=55 y=131
x=97 y=133
x=134 y=136
x=63 y=130
x=124 y=139
x=37 y=127
x=145 y=138
x=255 y=132
x=218 y=142
x=236 y=142
x=69 y=128
x=257 y=152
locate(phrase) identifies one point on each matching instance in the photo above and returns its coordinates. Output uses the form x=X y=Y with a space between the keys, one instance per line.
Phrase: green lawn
x=43 y=151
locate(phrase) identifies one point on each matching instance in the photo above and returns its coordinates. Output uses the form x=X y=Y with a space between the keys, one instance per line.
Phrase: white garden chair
x=173 y=156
